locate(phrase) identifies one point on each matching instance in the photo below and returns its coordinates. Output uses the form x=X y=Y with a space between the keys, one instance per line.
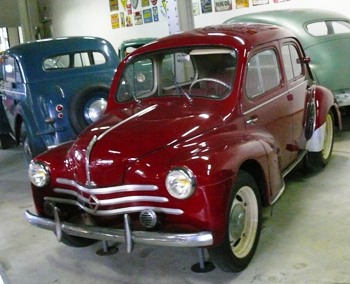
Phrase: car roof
x=293 y=19
x=239 y=35
x=30 y=55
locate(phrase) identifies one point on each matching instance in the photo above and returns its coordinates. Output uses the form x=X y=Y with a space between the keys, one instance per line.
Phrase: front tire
x=243 y=227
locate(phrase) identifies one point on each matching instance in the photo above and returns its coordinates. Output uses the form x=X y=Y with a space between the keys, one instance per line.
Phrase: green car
x=325 y=37
x=130 y=45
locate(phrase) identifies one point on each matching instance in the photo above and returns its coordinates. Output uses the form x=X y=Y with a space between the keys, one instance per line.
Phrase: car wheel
x=321 y=159
x=243 y=227
x=87 y=107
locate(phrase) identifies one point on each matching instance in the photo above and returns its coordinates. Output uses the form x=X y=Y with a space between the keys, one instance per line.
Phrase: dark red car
x=200 y=129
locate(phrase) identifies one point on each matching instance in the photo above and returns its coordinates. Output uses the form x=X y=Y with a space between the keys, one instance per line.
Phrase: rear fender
x=324 y=102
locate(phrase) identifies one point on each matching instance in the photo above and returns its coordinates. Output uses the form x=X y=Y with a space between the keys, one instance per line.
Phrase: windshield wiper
x=178 y=87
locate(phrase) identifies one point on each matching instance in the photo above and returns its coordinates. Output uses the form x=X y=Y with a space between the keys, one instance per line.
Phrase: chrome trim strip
x=113 y=212
x=87 y=159
x=95 y=139
x=264 y=103
x=271 y=100
x=138 y=114
x=200 y=239
x=113 y=201
x=107 y=190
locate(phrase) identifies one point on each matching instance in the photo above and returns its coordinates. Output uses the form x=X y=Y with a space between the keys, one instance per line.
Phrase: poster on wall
x=260 y=2
x=145 y=3
x=128 y=21
x=147 y=16
x=206 y=6
x=242 y=4
x=113 y=5
x=155 y=14
x=122 y=19
x=137 y=12
x=223 y=5
x=138 y=18
x=115 y=21
x=134 y=3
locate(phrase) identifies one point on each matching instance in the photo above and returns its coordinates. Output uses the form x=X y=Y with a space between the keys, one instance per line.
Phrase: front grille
x=93 y=201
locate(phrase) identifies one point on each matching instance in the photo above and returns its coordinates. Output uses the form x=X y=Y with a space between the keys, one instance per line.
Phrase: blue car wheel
x=87 y=107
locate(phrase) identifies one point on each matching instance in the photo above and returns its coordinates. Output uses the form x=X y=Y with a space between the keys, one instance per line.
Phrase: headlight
x=38 y=174
x=180 y=183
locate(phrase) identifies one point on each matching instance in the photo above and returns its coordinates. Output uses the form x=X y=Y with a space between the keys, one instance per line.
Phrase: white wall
x=219 y=17
x=92 y=17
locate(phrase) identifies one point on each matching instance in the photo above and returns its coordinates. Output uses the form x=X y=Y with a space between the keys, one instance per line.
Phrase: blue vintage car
x=52 y=89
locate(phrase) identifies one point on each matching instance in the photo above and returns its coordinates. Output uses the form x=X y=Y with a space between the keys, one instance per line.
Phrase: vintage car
x=54 y=88
x=325 y=37
x=130 y=45
x=188 y=157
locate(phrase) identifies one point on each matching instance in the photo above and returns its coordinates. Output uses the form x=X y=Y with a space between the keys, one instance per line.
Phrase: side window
x=12 y=71
x=75 y=60
x=292 y=62
x=263 y=73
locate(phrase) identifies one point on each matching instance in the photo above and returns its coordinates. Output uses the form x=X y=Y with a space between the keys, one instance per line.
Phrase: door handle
x=252 y=120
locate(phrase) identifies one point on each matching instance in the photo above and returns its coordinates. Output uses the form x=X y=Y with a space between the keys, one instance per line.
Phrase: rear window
x=73 y=60
x=323 y=28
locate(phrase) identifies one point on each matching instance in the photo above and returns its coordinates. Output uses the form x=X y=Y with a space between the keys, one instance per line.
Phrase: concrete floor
x=306 y=240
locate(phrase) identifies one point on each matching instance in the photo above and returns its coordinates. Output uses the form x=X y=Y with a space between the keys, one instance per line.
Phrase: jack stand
x=202 y=266
x=106 y=250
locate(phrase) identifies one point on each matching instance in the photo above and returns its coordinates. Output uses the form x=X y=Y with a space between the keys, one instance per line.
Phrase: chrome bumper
x=201 y=239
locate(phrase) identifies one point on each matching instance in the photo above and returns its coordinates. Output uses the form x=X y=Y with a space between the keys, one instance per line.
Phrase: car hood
x=104 y=150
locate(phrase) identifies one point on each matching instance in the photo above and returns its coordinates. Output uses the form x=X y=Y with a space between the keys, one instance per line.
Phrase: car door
x=294 y=69
x=13 y=88
x=267 y=108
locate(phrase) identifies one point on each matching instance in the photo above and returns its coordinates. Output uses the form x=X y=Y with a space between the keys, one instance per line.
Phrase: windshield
x=204 y=72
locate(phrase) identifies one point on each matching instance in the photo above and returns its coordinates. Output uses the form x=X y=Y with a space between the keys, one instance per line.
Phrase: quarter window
x=263 y=73
x=292 y=62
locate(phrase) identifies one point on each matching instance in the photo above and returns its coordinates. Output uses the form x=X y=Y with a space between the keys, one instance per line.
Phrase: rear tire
x=321 y=159
x=243 y=228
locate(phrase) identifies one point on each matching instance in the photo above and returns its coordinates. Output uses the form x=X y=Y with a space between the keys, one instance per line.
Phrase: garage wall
x=93 y=17
x=219 y=17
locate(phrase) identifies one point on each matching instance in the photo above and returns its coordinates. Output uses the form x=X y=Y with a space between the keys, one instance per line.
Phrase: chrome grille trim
x=114 y=201
x=107 y=190
x=111 y=212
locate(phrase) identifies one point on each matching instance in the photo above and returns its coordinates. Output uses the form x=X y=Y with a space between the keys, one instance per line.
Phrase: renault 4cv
x=200 y=129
